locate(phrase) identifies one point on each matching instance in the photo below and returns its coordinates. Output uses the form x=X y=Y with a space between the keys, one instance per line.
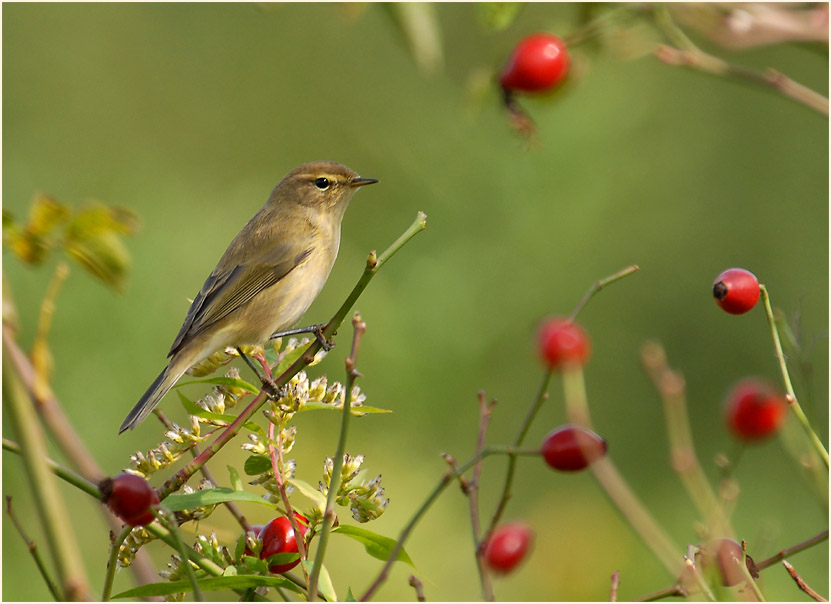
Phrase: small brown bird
x=269 y=275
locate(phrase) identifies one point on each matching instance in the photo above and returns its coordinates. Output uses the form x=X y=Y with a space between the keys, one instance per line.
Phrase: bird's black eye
x=322 y=183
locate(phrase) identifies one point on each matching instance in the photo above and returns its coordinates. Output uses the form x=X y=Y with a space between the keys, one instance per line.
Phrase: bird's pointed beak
x=359 y=182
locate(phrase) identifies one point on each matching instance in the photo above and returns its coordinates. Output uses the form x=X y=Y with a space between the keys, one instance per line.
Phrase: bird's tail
x=148 y=401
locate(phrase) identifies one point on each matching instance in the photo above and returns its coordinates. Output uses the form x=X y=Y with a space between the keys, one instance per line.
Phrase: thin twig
x=445 y=480
x=750 y=582
x=112 y=561
x=619 y=492
x=790 y=394
x=416 y=584
x=615 y=586
x=51 y=508
x=33 y=549
x=671 y=388
x=598 y=285
x=675 y=591
x=485 y=410
x=800 y=582
x=168 y=520
x=60 y=471
x=337 y=461
x=689 y=55
x=542 y=396
x=786 y=553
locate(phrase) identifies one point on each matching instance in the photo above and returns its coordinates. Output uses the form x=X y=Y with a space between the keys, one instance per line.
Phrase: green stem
x=799 y=547
x=337 y=461
x=786 y=378
x=373 y=265
x=47 y=496
x=542 y=395
x=60 y=471
x=33 y=549
x=169 y=521
x=615 y=487
x=671 y=388
x=112 y=562
x=598 y=285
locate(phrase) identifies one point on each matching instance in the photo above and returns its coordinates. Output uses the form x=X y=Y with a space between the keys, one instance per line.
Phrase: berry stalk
x=793 y=403
x=616 y=488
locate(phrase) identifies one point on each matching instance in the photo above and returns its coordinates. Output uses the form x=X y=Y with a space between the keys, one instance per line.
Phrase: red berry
x=572 y=448
x=538 y=62
x=130 y=497
x=755 y=409
x=278 y=538
x=736 y=290
x=562 y=342
x=507 y=547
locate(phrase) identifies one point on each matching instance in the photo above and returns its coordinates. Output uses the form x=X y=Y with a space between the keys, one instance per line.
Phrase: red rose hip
x=130 y=497
x=755 y=409
x=507 y=547
x=538 y=62
x=572 y=448
x=736 y=290
x=563 y=343
x=278 y=538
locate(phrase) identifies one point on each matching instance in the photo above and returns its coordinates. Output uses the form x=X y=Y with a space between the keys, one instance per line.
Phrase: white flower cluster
x=269 y=483
x=179 y=441
x=364 y=498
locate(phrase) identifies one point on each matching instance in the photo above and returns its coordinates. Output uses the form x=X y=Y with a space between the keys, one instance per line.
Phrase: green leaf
x=45 y=214
x=324 y=582
x=498 y=15
x=236 y=482
x=208 y=584
x=282 y=558
x=27 y=246
x=376 y=545
x=350 y=597
x=314 y=405
x=187 y=501
x=239 y=550
x=94 y=240
x=309 y=491
x=257 y=464
x=256 y=565
x=290 y=359
x=225 y=381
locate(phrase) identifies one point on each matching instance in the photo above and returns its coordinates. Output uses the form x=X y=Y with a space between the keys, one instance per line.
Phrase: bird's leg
x=316 y=330
x=267 y=381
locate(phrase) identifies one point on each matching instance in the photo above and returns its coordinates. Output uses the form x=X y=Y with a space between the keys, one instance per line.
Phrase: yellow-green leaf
x=45 y=213
x=376 y=545
x=498 y=15
x=207 y=584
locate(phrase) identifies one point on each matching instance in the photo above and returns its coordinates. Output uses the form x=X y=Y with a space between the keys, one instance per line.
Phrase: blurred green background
x=190 y=114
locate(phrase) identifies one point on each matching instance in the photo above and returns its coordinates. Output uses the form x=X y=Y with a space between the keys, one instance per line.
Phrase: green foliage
x=92 y=236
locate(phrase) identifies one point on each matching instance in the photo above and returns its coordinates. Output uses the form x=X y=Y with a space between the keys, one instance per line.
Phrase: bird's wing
x=226 y=290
